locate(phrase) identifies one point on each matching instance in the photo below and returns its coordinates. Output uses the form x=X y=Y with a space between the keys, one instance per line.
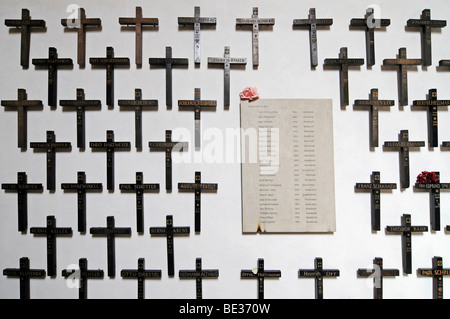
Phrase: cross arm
x=19 y=23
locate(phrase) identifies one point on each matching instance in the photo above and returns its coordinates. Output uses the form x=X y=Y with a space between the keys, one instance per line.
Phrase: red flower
x=249 y=93
x=426 y=177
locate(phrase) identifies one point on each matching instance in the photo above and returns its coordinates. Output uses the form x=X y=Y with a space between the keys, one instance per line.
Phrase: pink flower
x=249 y=93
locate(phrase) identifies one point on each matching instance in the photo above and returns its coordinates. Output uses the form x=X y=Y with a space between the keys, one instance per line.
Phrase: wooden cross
x=170 y=231
x=139 y=22
x=169 y=63
x=312 y=22
x=139 y=188
x=25 y=24
x=109 y=62
x=81 y=187
x=22 y=188
x=374 y=105
x=259 y=273
x=343 y=62
x=138 y=104
x=51 y=231
x=255 y=22
x=198 y=274
x=197 y=106
x=83 y=274
x=403 y=63
x=141 y=274
x=80 y=105
x=438 y=273
x=22 y=105
x=375 y=188
x=196 y=21
x=110 y=147
x=318 y=273
x=403 y=146
x=168 y=146
x=51 y=147
x=432 y=104
x=377 y=273
x=80 y=24
x=426 y=24
x=370 y=24
x=52 y=63
x=227 y=61
x=110 y=231
x=24 y=273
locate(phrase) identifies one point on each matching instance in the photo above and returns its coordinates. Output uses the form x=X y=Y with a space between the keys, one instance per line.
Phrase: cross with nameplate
x=25 y=24
x=318 y=273
x=259 y=273
x=51 y=231
x=81 y=187
x=438 y=273
x=426 y=24
x=377 y=273
x=198 y=274
x=139 y=188
x=82 y=274
x=141 y=274
x=170 y=231
x=80 y=105
x=24 y=273
x=51 y=147
x=52 y=63
x=403 y=146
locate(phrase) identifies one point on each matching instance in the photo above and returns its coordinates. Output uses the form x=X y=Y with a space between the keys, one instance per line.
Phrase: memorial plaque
x=318 y=273
x=141 y=274
x=377 y=273
x=198 y=274
x=24 y=273
x=260 y=274
x=438 y=273
x=83 y=274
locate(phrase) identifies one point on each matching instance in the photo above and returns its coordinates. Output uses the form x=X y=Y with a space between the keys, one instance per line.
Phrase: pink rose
x=249 y=93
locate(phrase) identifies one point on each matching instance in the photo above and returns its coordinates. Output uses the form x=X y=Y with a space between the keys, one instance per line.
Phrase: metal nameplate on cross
x=140 y=274
x=437 y=273
x=24 y=273
x=318 y=273
x=198 y=274
x=83 y=274
x=260 y=274
x=377 y=273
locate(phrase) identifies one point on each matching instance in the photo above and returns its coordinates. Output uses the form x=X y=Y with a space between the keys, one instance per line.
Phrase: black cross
x=438 y=273
x=25 y=24
x=198 y=274
x=377 y=273
x=170 y=231
x=110 y=231
x=141 y=274
x=80 y=105
x=51 y=231
x=24 y=273
x=139 y=188
x=260 y=274
x=318 y=273
x=83 y=274
x=81 y=187
x=406 y=231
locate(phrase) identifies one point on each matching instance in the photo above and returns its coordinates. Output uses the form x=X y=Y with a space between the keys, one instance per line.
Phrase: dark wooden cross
x=198 y=187
x=22 y=188
x=370 y=24
x=139 y=22
x=109 y=62
x=426 y=24
x=80 y=24
x=170 y=231
x=52 y=63
x=432 y=104
x=403 y=146
x=168 y=146
x=80 y=105
x=435 y=199
x=198 y=274
x=51 y=147
x=110 y=146
x=138 y=104
x=318 y=273
x=259 y=273
x=196 y=21
x=377 y=273
x=25 y=24
x=141 y=274
x=343 y=62
x=24 y=273
x=312 y=22
x=169 y=63
x=374 y=105
x=110 y=231
x=403 y=64
x=81 y=187
x=438 y=273
x=255 y=22
x=406 y=231
x=51 y=231
x=197 y=106
x=444 y=63
x=227 y=61
x=83 y=274
x=139 y=188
